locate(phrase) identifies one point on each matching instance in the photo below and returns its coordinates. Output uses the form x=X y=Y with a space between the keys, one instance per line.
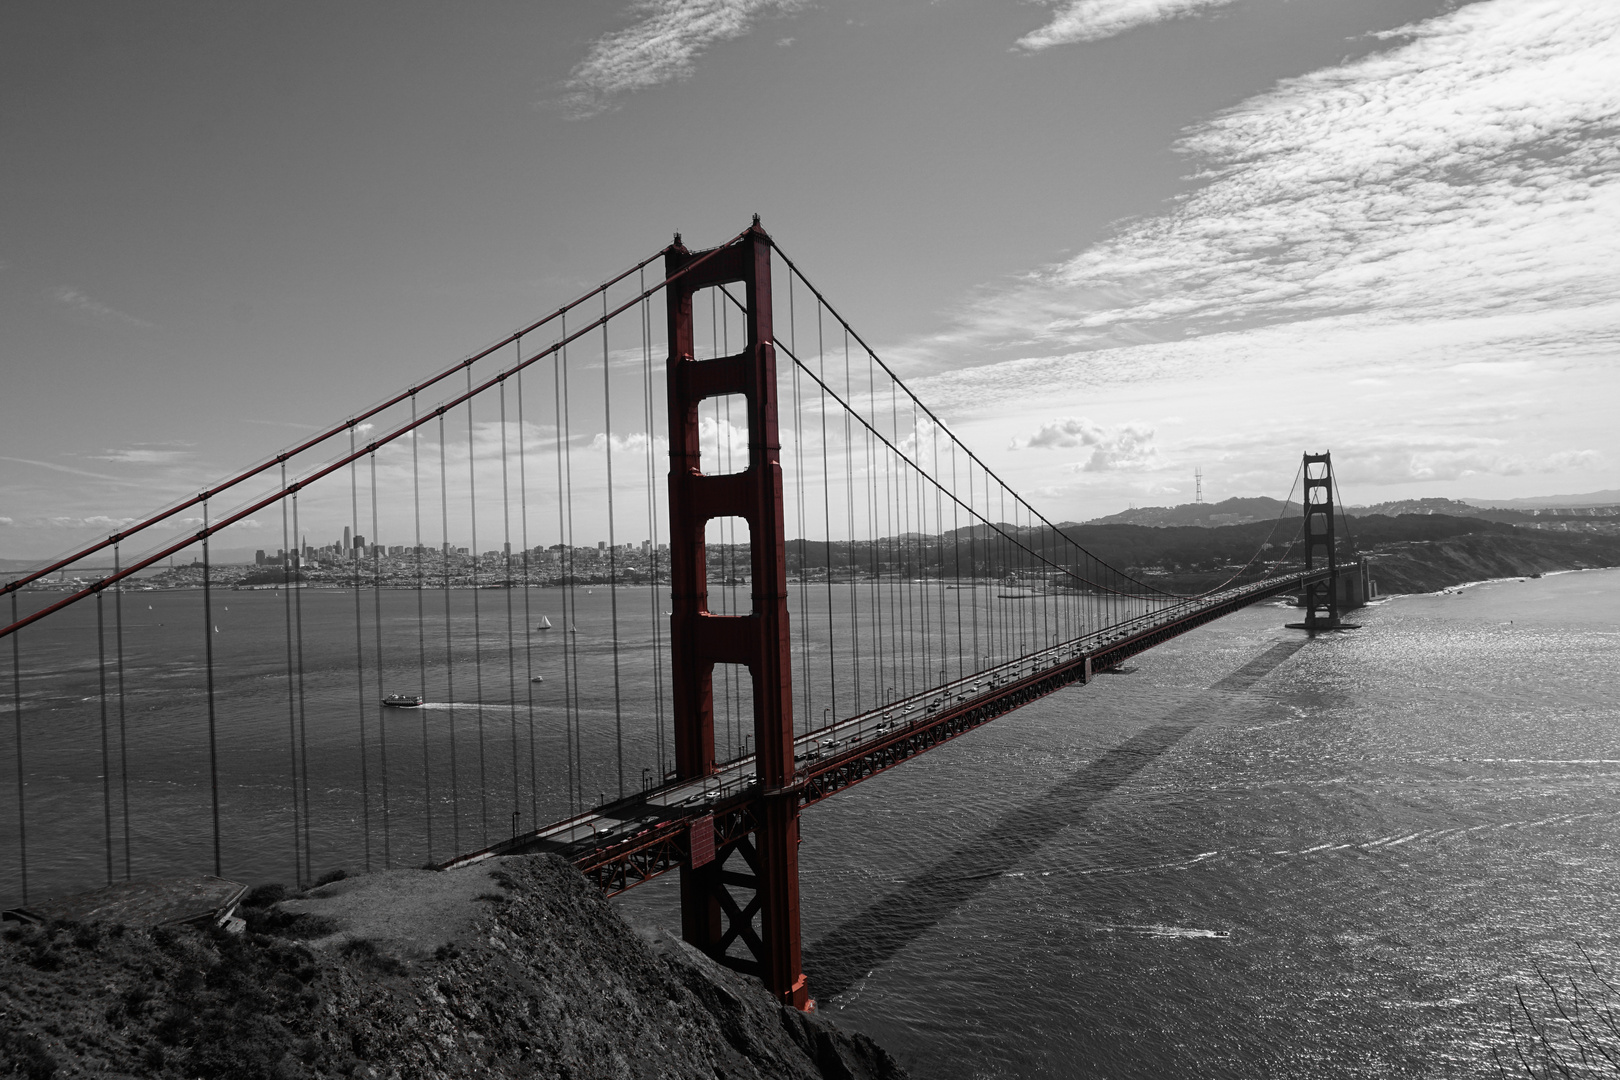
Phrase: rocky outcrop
x=511 y=968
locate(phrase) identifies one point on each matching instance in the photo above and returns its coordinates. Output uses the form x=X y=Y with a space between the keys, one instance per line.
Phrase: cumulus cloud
x=1055 y=434
x=1093 y=20
x=723 y=446
x=661 y=46
x=1122 y=448
x=635 y=440
x=75 y=299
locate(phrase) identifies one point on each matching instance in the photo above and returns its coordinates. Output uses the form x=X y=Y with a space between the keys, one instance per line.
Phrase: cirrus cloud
x=662 y=46
x=1093 y=20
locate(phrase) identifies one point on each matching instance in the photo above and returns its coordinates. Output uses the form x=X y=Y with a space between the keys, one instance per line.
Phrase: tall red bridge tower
x=753 y=871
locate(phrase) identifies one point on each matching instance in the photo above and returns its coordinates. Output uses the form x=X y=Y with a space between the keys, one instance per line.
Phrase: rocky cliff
x=1427 y=566
x=511 y=968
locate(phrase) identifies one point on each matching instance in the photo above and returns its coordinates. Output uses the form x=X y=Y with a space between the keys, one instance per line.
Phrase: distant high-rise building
x=346 y=544
x=258 y=557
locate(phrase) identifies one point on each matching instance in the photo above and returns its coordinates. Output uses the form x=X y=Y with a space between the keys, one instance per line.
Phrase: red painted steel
x=1321 y=597
x=710 y=917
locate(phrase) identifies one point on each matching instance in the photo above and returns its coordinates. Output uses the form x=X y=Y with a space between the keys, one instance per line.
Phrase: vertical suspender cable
x=449 y=645
x=511 y=654
x=478 y=627
x=16 y=714
x=106 y=749
x=528 y=615
x=613 y=547
x=849 y=510
x=353 y=558
x=826 y=511
x=123 y=732
x=652 y=528
x=303 y=715
x=804 y=532
x=377 y=632
x=565 y=465
x=213 y=741
x=287 y=591
x=939 y=545
x=956 y=554
x=421 y=624
x=564 y=565
x=870 y=510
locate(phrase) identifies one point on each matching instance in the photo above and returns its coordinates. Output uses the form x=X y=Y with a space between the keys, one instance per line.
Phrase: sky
x=1109 y=241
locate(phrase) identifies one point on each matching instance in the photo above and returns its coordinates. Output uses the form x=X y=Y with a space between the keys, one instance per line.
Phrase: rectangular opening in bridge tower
x=755 y=830
x=1321 y=597
x=723 y=434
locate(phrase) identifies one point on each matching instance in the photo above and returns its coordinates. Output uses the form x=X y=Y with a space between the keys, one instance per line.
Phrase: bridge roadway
x=631 y=840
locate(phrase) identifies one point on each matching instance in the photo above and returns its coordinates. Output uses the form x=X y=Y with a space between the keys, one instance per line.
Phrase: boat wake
x=1155 y=930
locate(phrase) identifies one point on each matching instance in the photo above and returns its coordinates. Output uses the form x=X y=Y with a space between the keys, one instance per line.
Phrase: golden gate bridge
x=822 y=583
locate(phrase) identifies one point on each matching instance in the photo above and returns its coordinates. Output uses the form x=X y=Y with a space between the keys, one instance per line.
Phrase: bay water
x=1253 y=854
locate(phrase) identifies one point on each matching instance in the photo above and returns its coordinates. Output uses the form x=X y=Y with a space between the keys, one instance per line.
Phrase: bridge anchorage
x=846 y=586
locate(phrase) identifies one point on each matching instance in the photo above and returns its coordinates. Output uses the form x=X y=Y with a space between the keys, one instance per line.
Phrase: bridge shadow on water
x=872 y=937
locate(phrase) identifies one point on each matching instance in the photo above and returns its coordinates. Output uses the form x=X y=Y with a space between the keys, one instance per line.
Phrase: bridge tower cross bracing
x=1321 y=596
x=711 y=917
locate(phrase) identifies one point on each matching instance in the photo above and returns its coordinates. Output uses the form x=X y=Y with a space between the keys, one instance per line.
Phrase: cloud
x=1352 y=190
x=73 y=298
x=636 y=440
x=5 y=521
x=96 y=521
x=1571 y=459
x=1128 y=447
x=1093 y=20
x=1067 y=432
x=1423 y=238
x=63 y=469
x=1398 y=459
x=143 y=455
x=722 y=445
x=661 y=47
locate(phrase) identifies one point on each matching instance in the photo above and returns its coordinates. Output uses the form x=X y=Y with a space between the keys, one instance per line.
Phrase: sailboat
x=545 y=623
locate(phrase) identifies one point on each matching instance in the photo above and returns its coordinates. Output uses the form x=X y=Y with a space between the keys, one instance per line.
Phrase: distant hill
x=1209 y=515
x=1610 y=497
x=1446 y=507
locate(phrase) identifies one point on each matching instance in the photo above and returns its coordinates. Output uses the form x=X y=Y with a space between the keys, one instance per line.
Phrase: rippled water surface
x=1255 y=856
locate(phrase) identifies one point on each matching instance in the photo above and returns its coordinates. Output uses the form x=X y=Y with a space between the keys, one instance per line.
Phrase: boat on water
x=402 y=701
x=545 y=623
x=538 y=678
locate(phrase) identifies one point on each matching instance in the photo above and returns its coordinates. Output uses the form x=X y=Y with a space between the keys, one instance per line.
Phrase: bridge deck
x=628 y=841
